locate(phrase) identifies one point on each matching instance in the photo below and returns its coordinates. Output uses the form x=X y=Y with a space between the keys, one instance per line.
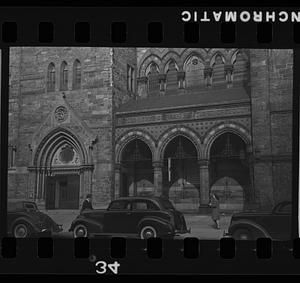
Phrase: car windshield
x=167 y=204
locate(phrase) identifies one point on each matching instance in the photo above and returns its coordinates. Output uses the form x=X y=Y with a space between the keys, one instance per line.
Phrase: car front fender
x=162 y=225
x=92 y=225
x=24 y=220
x=256 y=229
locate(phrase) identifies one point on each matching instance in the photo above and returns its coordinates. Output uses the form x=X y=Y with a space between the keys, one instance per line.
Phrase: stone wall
x=271 y=98
x=31 y=104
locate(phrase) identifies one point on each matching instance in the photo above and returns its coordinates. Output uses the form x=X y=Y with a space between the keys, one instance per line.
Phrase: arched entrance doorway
x=61 y=172
x=181 y=173
x=229 y=172
x=136 y=170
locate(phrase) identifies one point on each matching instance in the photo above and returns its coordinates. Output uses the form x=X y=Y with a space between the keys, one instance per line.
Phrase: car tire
x=147 y=232
x=80 y=231
x=21 y=230
x=242 y=234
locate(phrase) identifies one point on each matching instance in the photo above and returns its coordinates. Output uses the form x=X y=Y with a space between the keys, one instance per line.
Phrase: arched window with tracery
x=218 y=70
x=64 y=76
x=51 y=77
x=153 y=80
x=76 y=74
x=194 y=72
x=171 y=77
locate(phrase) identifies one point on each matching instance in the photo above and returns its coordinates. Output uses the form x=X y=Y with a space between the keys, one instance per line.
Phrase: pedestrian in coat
x=215 y=205
x=87 y=203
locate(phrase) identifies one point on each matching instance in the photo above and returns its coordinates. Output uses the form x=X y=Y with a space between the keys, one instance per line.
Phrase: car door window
x=143 y=205
x=119 y=205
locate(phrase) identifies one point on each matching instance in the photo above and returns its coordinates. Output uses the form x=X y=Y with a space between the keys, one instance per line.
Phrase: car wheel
x=242 y=234
x=80 y=231
x=148 y=232
x=21 y=230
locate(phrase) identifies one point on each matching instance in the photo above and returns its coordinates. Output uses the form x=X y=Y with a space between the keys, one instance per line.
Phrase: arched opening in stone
x=136 y=170
x=229 y=172
x=181 y=173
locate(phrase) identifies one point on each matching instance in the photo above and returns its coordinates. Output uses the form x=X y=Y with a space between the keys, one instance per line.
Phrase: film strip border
x=135 y=26
x=191 y=256
x=144 y=27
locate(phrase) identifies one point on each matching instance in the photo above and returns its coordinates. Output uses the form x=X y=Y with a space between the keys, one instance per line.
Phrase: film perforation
x=154 y=248
x=227 y=248
x=46 y=32
x=264 y=32
x=118 y=32
x=82 y=32
x=191 y=32
x=81 y=248
x=9 y=32
x=264 y=248
x=118 y=247
x=45 y=247
x=155 y=32
x=191 y=248
x=8 y=247
x=228 y=32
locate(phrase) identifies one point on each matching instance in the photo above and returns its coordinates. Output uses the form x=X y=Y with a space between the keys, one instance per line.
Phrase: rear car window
x=30 y=206
x=119 y=205
x=286 y=208
x=144 y=205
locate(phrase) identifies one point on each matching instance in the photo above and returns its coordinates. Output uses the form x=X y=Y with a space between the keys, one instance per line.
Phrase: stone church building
x=175 y=122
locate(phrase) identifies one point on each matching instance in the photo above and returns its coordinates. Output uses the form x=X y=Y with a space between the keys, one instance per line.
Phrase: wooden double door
x=62 y=192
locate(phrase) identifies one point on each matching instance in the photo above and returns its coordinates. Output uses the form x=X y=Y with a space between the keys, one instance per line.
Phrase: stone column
x=162 y=82
x=158 y=178
x=117 y=192
x=181 y=77
x=208 y=71
x=204 y=185
x=228 y=68
x=142 y=86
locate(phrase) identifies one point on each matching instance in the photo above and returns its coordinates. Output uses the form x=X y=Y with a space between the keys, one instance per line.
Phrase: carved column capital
x=157 y=164
x=208 y=72
x=180 y=75
x=162 y=77
x=203 y=162
x=228 y=68
x=117 y=166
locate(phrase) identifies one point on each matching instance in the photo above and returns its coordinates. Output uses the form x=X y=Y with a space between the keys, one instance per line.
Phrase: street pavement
x=202 y=226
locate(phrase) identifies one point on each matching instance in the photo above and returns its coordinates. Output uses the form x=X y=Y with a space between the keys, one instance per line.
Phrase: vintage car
x=25 y=220
x=252 y=225
x=142 y=217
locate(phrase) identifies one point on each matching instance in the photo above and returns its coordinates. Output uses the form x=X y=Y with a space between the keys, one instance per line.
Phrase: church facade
x=173 y=122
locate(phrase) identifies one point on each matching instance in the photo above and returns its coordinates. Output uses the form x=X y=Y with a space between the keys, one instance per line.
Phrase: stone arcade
x=150 y=121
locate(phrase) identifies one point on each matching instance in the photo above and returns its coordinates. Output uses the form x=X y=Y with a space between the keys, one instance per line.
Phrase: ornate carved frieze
x=184 y=115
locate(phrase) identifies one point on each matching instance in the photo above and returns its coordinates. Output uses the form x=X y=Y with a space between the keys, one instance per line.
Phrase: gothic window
x=153 y=80
x=130 y=79
x=11 y=156
x=171 y=78
x=218 y=70
x=194 y=72
x=239 y=68
x=64 y=76
x=76 y=74
x=51 y=77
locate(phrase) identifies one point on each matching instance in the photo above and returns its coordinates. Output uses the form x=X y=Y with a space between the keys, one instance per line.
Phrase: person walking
x=215 y=205
x=87 y=203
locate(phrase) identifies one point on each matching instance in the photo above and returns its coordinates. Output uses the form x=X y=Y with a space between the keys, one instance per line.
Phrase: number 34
x=101 y=267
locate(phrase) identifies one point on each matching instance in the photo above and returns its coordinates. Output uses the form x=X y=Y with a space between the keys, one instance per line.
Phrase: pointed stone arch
x=152 y=58
x=222 y=128
x=128 y=137
x=168 y=135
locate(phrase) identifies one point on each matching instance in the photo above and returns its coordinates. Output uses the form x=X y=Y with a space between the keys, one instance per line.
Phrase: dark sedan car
x=25 y=220
x=252 y=225
x=144 y=217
